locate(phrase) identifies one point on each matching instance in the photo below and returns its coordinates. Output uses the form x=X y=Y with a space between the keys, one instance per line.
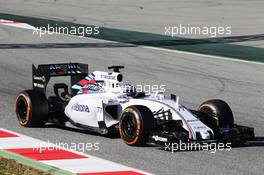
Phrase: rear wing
x=42 y=74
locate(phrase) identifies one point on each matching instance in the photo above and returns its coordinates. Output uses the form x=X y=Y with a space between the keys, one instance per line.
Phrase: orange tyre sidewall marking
x=138 y=126
x=25 y=98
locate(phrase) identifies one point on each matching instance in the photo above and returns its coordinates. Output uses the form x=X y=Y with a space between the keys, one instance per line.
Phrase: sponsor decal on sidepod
x=80 y=108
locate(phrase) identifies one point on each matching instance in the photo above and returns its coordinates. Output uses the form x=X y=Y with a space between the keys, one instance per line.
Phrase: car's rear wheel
x=223 y=118
x=32 y=108
x=135 y=124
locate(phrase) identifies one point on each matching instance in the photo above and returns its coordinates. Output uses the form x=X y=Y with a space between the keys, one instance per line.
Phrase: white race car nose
x=204 y=135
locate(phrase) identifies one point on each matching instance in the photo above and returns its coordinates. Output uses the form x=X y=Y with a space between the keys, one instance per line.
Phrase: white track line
x=27 y=26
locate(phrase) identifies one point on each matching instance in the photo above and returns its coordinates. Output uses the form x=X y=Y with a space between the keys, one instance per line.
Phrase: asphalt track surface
x=245 y=17
x=194 y=78
x=209 y=46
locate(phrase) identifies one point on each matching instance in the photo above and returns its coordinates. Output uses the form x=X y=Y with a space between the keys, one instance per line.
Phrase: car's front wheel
x=222 y=114
x=135 y=124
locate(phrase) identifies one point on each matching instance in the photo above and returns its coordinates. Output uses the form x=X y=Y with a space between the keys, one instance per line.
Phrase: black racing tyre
x=135 y=124
x=32 y=108
x=224 y=117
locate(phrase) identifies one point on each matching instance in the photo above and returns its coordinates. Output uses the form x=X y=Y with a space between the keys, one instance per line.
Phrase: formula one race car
x=100 y=102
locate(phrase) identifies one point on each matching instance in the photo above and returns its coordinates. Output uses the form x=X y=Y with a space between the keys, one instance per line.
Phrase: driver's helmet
x=87 y=85
x=91 y=87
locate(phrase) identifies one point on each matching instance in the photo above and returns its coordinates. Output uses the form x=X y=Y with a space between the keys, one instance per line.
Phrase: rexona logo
x=81 y=108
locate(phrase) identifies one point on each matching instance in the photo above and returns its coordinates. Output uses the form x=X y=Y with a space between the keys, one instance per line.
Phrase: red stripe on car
x=83 y=82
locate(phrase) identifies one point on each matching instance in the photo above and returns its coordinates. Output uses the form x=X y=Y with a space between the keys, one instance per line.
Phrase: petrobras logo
x=80 y=108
